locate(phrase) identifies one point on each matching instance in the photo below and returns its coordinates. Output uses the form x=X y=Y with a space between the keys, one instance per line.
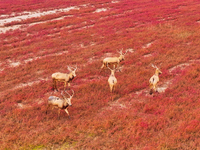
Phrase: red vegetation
x=165 y=33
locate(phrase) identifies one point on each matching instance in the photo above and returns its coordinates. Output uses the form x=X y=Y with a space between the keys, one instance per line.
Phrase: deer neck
x=70 y=75
x=112 y=74
x=120 y=58
x=65 y=102
x=157 y=73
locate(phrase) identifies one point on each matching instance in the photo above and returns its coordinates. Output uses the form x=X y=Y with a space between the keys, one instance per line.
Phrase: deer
x=154 y=80
x=64 y=77
x=60 y=103
x=114 y=60
x=112 y=80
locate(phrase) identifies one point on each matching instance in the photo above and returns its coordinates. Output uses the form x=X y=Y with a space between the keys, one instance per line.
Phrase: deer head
x=121 y=57
x=72 y=71
x=158 y=72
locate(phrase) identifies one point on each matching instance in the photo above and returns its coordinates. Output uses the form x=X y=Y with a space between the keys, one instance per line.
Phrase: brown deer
x=113 y=60
x=60 y=103
x=64 y=77
x=154 y=80
x=112 y=80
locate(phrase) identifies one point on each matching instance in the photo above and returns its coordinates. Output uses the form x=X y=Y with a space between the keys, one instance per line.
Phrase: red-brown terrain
x=39 y=38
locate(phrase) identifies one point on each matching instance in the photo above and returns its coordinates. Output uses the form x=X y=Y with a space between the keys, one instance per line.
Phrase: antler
x=75 y=68
x=69 y=94
x=63 y=95
x=111 y=69
x=154 y=66
x=126 y=52
x=120 y=52
x=73 y=93
x=69 y=68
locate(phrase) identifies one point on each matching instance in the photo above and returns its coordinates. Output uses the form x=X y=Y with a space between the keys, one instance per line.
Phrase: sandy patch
x=38 y=13
x=180 y=66
x=130 y=50
x=164 y=86
x=115 y=1
x=147 y=55
x=100 y=10
x=147 y=45
x=16 y=64
x=23 y=85
x=22 y=106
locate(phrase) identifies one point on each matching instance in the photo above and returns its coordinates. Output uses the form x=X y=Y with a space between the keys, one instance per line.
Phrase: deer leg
x=47 y=108
x=69 y=85
x=118 y=67
x=156 y=88
x=101 y=68
x=58 y=113
x=111 y=90
x=64 y=86
x=151 y=89
x=67 y=112
x=112 y=95
x=55 y=83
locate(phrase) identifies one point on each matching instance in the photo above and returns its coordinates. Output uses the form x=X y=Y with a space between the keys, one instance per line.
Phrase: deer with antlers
x=154 y=80
x=112 y=80
x=60 y=103
x=113 y=60
x=64 y=77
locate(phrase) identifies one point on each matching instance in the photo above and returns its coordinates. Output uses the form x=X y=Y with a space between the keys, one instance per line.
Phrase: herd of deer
x=112 y=81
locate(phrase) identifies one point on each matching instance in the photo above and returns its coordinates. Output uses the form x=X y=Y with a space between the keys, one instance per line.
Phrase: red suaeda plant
x=163 y=33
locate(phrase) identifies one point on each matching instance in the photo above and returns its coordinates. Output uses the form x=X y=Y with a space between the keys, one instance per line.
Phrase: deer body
x=60 y=103
x=153 y=81
x=112 y=81
x=110 y=60
x=63 y=77
x=113 y=60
